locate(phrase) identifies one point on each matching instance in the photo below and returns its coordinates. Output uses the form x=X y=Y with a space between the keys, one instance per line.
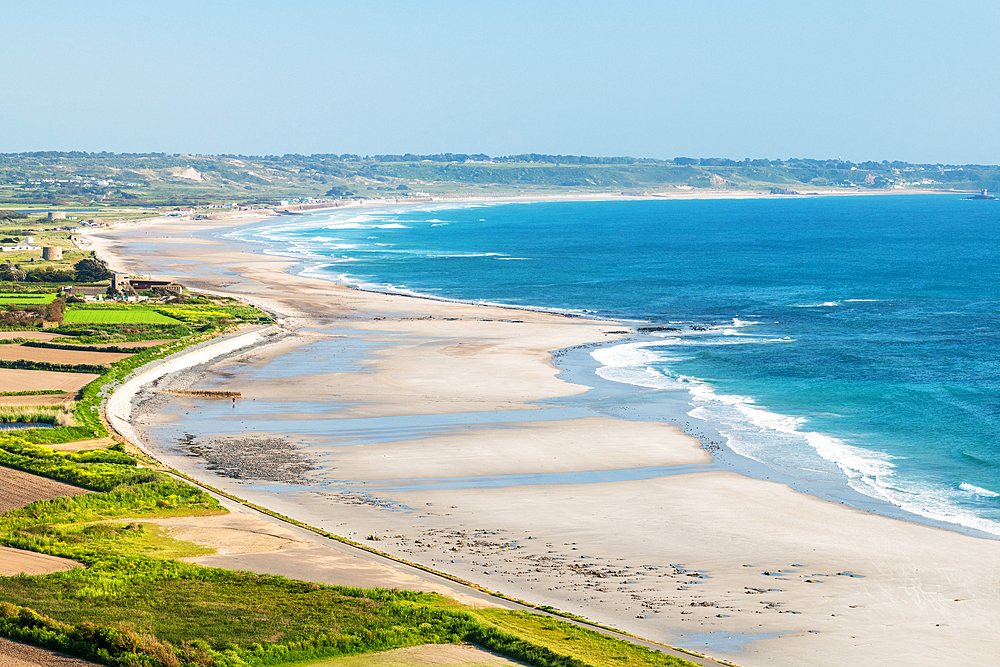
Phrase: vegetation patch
x=44 y=414
x=84 y=348
x=116 y=316
x=26 y=298
x=94 y=333
x=29 y=365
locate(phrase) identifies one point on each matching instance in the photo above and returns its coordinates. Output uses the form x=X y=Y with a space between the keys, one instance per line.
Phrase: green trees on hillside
x=92 y=270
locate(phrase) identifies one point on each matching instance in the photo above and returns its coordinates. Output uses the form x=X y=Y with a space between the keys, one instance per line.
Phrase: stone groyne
x=118 y=409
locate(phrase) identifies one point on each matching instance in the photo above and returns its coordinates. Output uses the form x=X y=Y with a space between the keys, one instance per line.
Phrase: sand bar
x=739 y=568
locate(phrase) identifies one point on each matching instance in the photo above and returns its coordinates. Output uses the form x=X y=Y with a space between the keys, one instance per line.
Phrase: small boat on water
x=982 y=195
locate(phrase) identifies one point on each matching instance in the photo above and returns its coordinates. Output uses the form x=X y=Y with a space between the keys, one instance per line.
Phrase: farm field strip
x=131 y=316
x=14 y=352
x=18 y=489
x=26 y=299
x=38 y=399
x=42 y=336
x=15 y=561
x=16 y=379
x=139 y=343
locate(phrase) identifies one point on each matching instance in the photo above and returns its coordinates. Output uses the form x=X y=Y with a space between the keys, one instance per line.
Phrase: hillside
x=158 y=179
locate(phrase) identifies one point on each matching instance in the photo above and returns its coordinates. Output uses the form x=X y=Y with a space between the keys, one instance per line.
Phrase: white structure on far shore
x=23 y=245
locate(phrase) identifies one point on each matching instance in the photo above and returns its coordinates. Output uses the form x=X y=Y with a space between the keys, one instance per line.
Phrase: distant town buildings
x=122 y=283
x=26 y=244
x=89 y=294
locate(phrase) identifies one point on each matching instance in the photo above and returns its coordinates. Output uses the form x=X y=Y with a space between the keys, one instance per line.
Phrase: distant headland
x=71 y=179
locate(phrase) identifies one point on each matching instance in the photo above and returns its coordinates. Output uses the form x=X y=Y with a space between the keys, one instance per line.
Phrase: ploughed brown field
x=42 y=336
x=16 y=379
x=18 y=489
x=13 y=352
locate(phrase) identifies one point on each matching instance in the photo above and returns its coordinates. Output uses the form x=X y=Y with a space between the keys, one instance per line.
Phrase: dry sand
x=736 y=567
x=249 y=540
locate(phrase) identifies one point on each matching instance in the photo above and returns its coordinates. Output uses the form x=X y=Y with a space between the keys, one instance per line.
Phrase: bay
x=834 y=339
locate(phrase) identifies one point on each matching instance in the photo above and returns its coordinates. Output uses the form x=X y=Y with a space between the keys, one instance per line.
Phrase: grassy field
x=45 y=414
x=123 y=316
x=25 y=299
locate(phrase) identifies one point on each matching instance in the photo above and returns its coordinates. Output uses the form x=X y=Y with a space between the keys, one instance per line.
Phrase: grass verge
x=45 y=414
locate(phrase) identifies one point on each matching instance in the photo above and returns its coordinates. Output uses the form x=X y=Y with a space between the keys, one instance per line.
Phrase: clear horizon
x=892 y=81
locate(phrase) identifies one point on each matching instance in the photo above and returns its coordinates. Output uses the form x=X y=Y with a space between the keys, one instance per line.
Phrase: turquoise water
x=848 y=339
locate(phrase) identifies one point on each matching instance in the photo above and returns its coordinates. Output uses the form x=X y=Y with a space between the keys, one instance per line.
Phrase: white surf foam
x=468 y=254
x=783 y=441
x=978 y=491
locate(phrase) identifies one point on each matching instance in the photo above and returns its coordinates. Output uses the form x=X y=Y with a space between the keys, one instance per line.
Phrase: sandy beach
x=442 y=433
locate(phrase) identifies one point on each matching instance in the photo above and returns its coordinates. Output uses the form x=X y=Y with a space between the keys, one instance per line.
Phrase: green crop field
x=122 y=316
x=25 y=298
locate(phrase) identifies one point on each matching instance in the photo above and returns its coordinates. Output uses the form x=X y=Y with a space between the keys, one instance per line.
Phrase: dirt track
x=16 y=654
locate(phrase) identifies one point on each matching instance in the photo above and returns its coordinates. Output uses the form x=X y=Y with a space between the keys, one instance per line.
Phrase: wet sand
x=440 y=432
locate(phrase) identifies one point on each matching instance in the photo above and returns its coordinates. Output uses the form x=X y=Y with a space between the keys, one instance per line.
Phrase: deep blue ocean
x=844 y=339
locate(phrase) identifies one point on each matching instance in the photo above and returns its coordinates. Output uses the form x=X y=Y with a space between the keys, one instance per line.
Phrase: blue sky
x=862 y=80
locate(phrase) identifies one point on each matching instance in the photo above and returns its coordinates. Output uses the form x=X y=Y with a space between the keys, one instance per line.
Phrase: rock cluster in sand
x=262 y=458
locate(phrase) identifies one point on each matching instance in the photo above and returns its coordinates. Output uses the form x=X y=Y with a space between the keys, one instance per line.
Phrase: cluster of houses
x=125 y=288
x=26 y=244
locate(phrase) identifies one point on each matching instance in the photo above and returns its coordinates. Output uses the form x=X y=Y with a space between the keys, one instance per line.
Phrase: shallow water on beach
x=845 y=341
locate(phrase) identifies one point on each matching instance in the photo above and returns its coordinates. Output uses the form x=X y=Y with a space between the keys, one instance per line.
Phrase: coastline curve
x=118 y=408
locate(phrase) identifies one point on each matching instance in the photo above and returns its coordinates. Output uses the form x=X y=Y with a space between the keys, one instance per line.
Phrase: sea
x=834 y=342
